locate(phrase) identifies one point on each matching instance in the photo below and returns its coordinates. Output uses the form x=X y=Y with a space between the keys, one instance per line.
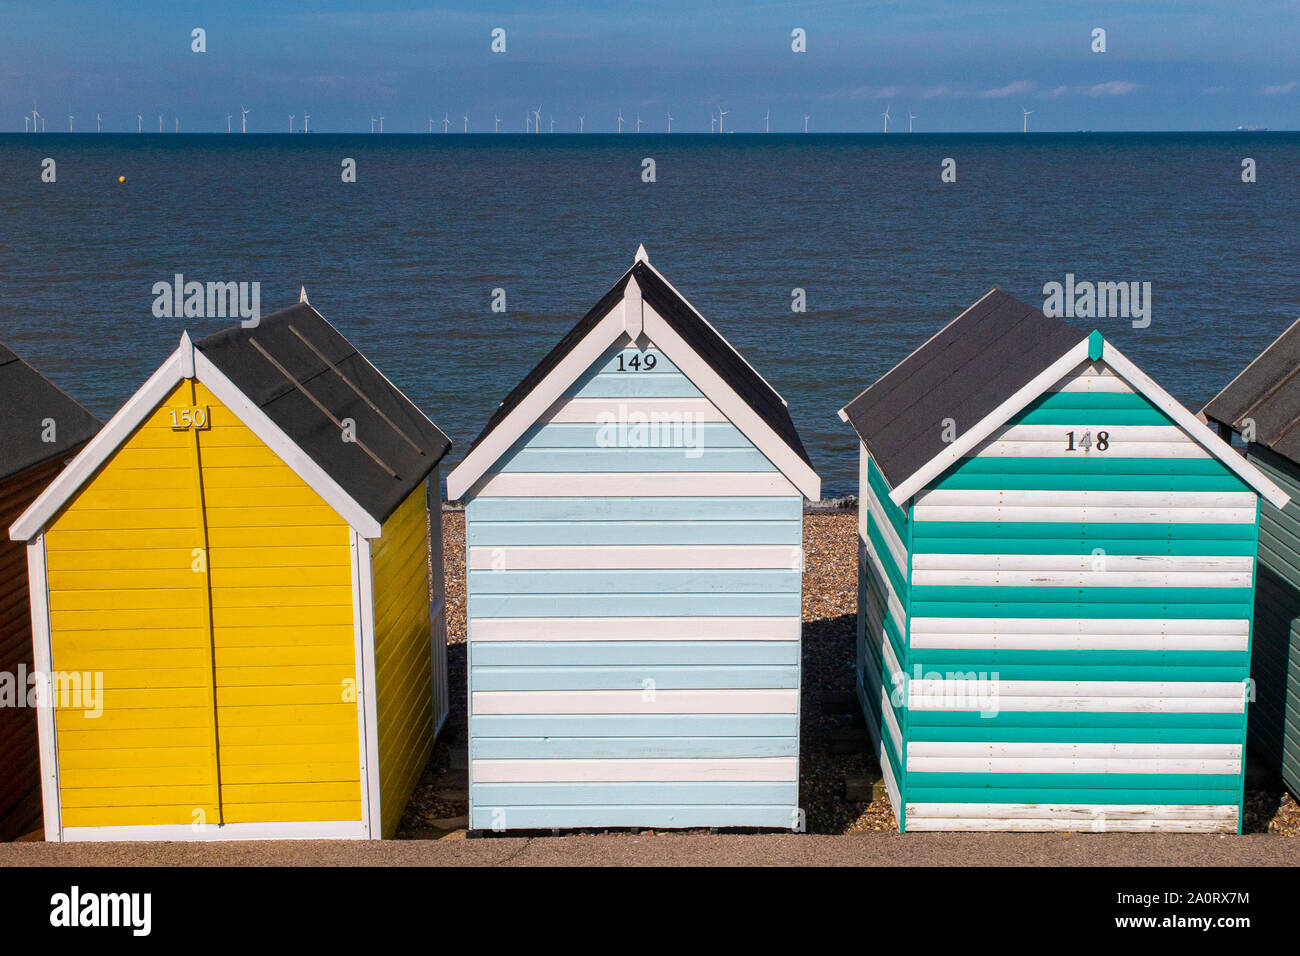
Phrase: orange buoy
x=121 y=179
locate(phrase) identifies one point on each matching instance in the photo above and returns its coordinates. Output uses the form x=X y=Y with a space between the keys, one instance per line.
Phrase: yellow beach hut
x=236 y=592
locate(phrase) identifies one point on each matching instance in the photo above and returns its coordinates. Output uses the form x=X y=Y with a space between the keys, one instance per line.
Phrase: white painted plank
x=1076 y=812
x=897 y=549
x=1089 y=579
x=639 y=770
x=1040 y=498
x=634 y=629
x=739 y=701
x=1118 y=449
x=1081 y=515
x=1064 y=749
x=635 y=484
x=868 y=552
x=982 y=765
x=637 y=557
x=1083 y=562
x=1091 y=625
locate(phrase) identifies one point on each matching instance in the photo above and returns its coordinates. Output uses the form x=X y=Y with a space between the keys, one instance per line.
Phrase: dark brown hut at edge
x=40 y=429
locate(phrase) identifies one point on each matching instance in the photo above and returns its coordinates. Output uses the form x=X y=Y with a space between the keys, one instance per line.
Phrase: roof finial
x=641 y=255
x=187 y=355
x=302 y=294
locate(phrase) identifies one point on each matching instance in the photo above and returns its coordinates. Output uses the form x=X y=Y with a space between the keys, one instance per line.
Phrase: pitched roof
x=1268 y=392
x=978 y=361
x=28 y=399
x=702 y=337
x=307 y=378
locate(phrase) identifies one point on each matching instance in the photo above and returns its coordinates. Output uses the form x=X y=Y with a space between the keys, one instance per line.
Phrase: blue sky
x=1189 y=64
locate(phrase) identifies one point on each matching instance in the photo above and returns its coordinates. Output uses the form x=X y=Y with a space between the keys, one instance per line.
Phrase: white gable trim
x=1195 y=428
x=536 y=403
x=985 y=426
x=142 y=404
x=735 y=408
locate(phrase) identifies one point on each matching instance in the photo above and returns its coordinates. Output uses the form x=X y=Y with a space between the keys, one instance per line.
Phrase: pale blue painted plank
x=640 y=385
x=496 y=533
x=696 y=793
x=633 y=605
x=531 y=818
x=633 y=460
x=670 y=581
x=633 y=725
x=578 y=653
x=632 y=678
x=619 y=434
x=527 y=748
x=710 y=508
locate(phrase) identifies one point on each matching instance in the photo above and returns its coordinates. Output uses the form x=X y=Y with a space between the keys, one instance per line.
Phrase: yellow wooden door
x=130 y=638
x=283 y=633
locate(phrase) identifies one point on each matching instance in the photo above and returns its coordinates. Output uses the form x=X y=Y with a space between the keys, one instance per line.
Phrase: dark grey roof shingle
x=29 y=400
x=1268 y=392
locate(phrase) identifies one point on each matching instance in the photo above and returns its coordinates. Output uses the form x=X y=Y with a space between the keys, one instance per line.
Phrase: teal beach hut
x=633 y=554
x=1057 y=570
x=1262 y=405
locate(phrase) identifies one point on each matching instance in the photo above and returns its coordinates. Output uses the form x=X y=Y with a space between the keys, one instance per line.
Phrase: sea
x=406 y=260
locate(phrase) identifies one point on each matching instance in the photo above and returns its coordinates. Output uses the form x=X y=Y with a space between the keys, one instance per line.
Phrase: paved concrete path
x=690 y=849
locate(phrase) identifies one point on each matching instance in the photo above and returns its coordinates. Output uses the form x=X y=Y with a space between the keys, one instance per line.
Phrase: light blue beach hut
x=633 y=532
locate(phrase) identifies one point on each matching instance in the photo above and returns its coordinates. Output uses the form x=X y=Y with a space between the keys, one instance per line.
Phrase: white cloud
x=937 y=91
x=1112 y=88
x=1057 y=92
x=1279 y=88
x=1011 y=89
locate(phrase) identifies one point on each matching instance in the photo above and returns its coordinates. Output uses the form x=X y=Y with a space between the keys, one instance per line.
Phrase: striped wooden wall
x=634 y=619
x=1103 y=596
x=1275 y=651
x=212 y=590
x=403 y=655
x=20 y=784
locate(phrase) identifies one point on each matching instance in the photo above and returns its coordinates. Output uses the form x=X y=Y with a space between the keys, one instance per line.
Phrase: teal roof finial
x=1095 y=345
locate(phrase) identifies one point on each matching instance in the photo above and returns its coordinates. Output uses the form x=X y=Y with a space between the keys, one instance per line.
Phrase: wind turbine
x=713 y=122
x=178 y=123
x=721 y=114
x=446 y=122
x=467 y=122
x=305 y=118
x=430 y=124
x=27 y=124
x=243 y=120
x=290 y=122
x=99 y=123
x=582 y=119
x=886 y=115
x=537 y=119
x=160 y=122
x=381 y=122
x=69 y=122
x=620 y=120
x=372 y=124
x=767 y=122
x=552 y=124
x=497 y=120
x=805 y=122
x=910 y=116
x=34 y=117
x=139 y=123
x=670 y=122
x=227 y=122
x=1026 y=118
x=638 y=122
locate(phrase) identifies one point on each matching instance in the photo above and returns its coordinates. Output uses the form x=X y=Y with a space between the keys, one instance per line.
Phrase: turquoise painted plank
x=712 y=508
x=696 y=793
x=1090 y=465
x=1188 y=483
x=634 y=605
x=670 y=434
x=537 y=748
x=1090 y=400
x=1067 y=530
x=893 y=513
x=1094 y=419
x=563 y=817
x=689 y=458
x=645 y=653
x=976 y=782
x=634 y=725
x=1085 y=546
x=494 y=533
x=635 y=385
x=897 y=576
x=1079 y=735
x=920 y=793
x=1080 y=595
x=659 y=677
x=665 y=582
x=1065 y=720
x=922 y=608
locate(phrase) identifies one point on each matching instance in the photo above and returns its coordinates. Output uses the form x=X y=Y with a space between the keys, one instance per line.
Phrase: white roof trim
x=737 y=410
x=536 y=403
x=986 y=426
x=1139 y=380
x=142 y=404
x=1195 y=428
x=843 y=412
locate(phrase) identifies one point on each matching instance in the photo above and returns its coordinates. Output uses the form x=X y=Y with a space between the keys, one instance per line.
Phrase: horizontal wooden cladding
x=634 y=629
x=595 y=410
x=1090 y=377
x=635 y=485
x=1085 y=506
x=1054 y=757
x=994 y=695
x=1065 y=570
x=993 y=633
x=610 y=747
x=643 y=557
x=668 y=769
x=651 y=654
x=727 y=674
x=688 y=701
x=1078 y=817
